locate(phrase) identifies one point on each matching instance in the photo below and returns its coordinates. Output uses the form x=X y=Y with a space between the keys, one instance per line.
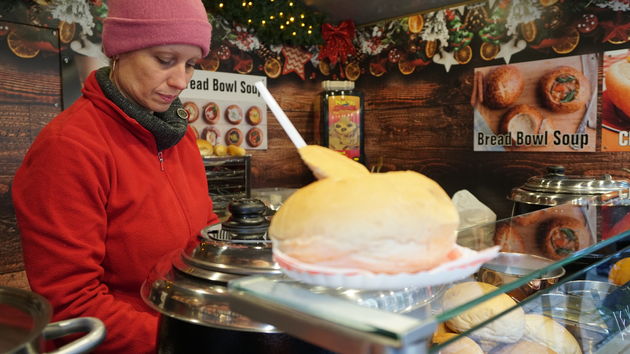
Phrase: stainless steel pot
x=555 y=188
x=189 y=289
x=24 y=325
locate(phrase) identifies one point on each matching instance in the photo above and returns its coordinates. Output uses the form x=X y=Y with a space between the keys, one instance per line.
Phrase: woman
x=116 y=181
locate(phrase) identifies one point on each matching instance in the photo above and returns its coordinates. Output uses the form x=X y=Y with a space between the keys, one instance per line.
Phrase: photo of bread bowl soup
x=543 y=105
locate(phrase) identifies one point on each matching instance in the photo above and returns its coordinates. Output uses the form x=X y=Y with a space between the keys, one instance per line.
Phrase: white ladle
x=322 y=161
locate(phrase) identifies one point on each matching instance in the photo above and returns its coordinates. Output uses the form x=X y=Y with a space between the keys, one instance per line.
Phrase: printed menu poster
x=226 y=109
x=537 y=106
x=615 y=113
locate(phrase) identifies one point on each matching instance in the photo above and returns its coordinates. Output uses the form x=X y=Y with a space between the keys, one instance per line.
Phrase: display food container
x=25 y=325
x=508 y=267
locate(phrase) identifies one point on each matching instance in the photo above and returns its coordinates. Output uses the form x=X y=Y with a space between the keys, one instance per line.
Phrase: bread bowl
x=618 y=85
x=522 y=118
x=544 y=330
x=503 y=85
x=564 y=89
x=558 y=237
x=234 y=114
x=211 y=113
x=378 y=222
x=507 y=328
x=193 y=111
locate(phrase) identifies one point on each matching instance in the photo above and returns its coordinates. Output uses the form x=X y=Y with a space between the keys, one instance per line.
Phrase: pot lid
x=23 y=316
x=556 y=188
x=206 y=303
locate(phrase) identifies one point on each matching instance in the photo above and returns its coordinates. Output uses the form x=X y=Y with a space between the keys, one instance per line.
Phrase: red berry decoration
x=394 y=55
x=224 y=52
x=588 y=23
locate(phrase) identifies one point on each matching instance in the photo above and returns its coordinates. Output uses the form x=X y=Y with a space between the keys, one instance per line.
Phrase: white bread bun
x=544 y=330
x=503 y=86
x=463 y=345
x=327 y=163
x=205 y=148
x=390 y=222
x=521 y=118
x=525 y=347
x=618 y=85
x=508 y=328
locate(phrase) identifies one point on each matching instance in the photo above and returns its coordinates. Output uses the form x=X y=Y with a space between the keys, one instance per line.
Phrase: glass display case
x=565 y=289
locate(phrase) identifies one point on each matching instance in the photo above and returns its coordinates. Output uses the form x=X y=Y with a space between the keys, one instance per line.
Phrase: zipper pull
x=161 y=158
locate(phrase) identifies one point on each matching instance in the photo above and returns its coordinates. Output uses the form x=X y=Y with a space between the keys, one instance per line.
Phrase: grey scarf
x=167 y=127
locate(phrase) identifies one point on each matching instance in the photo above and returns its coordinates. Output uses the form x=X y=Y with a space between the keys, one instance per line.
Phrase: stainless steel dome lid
x=189 y=298
x=555 y=188
x=191 y=284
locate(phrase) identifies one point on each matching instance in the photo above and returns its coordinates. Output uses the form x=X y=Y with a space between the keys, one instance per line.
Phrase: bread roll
x=503 y=86
x=327 y=163
x=564 y=89
x=463 y=345
x=389 y=222
x=525 y=347
x=205 y=148
x=544 y=330
x=508 y=328
x=618 y=85
x=521 y=118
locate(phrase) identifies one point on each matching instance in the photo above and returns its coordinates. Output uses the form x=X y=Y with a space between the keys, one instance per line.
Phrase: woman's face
x=154 y=77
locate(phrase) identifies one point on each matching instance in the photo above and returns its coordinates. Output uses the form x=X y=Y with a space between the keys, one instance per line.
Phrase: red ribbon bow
x=338 y=42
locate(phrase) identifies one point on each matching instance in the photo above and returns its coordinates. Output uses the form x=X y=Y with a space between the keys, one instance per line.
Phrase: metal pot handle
x=93 y=326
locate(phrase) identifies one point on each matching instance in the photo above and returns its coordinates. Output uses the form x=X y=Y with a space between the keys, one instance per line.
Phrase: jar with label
x=339 y=119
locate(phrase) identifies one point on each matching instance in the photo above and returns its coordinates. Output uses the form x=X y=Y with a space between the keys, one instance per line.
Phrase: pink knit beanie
x=138 y=24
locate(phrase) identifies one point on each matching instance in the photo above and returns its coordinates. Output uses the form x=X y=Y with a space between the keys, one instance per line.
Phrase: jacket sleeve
x=60 y=196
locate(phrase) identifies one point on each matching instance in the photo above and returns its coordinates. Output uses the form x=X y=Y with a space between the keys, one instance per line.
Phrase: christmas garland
x=284 y=37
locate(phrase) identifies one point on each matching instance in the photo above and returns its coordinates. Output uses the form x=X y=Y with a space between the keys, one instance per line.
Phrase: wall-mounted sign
x=615 y=102
x=227 y=109
x=543 y=105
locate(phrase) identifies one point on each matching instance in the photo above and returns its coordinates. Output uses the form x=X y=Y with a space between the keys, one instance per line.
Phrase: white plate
x=466 y=264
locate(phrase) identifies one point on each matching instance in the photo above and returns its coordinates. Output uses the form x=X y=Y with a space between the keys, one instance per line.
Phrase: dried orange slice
x=352 y=71
x=66 y=31
x=211 y=62
x=376 y=69
x=464 y=55
x=619 y=39
x=430 y=47
x=246 y=66
x=406 y=67
x=528 y=31
x=567 y=43
x=416 y=23
x=21 y=48
x=324 y=67
x=272 y=67
x=488 y=51
x=546 y=3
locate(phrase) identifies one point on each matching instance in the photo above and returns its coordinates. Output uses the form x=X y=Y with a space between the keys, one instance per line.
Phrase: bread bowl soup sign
x=226 y=109
x=544 y=105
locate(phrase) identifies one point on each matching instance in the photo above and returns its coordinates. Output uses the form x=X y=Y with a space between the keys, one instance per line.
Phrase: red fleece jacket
x=97 y=209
